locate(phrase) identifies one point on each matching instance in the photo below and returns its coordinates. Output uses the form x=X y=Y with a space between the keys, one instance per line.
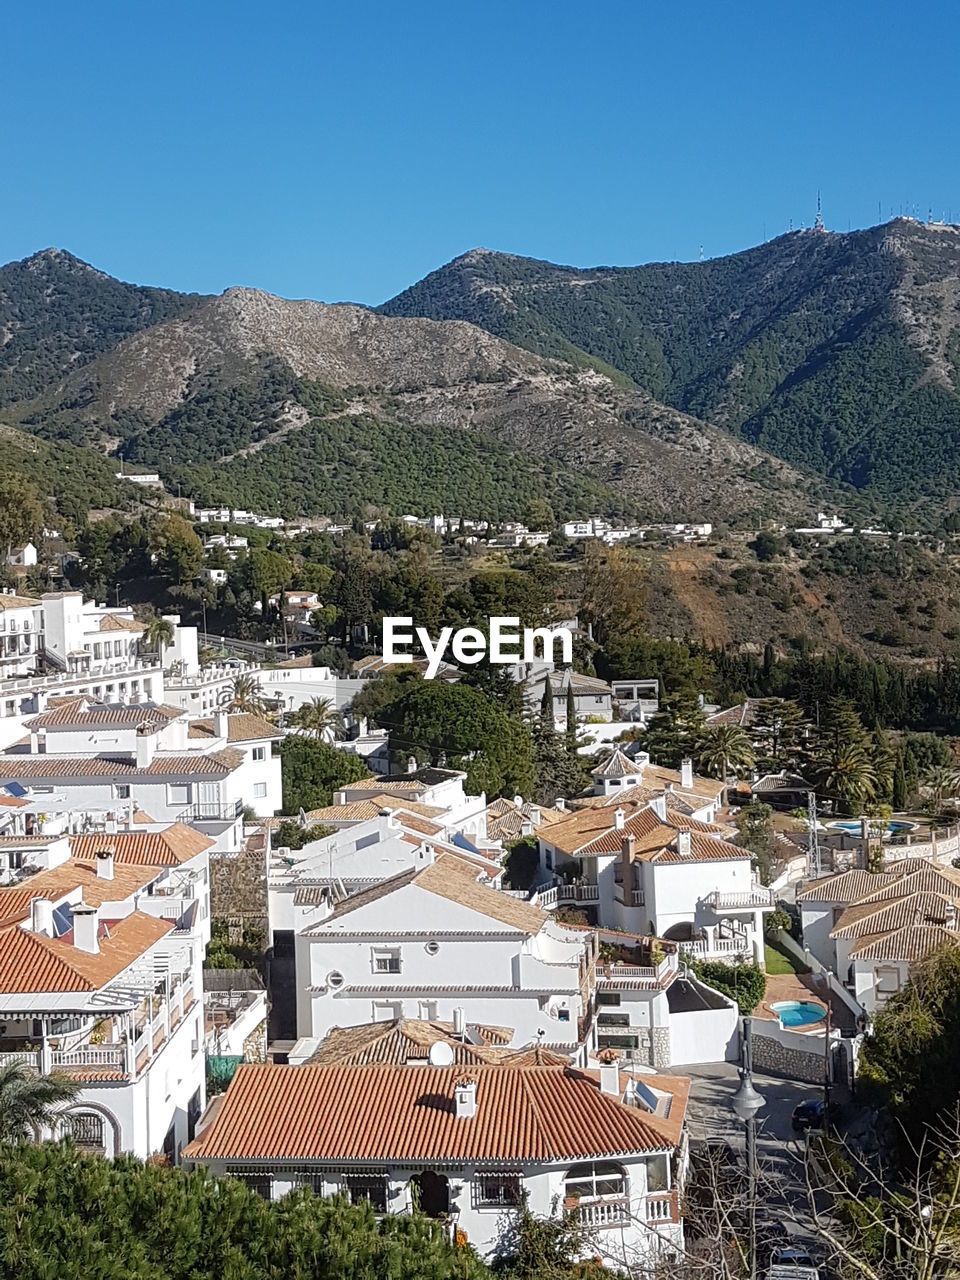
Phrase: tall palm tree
x=940 y=783
x=724 y=749
x=158 y=632
x=29 y=1102
x=319 y=718
x=847 y=773
x=247 y=695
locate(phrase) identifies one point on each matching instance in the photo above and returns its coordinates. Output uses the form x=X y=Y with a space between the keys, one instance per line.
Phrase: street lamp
x=746 y=1102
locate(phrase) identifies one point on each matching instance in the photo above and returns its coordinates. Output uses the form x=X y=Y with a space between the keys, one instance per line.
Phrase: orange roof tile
x=241 y=727
x=57 y=882
x=395 y=1113
x=178 y=843
x=31 y=962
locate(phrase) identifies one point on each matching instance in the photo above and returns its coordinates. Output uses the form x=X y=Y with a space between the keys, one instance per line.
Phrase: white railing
x=702 y=948
x=25 y=1057
x=659 y=1207
x=758 y=896
x=637 y=897
x=547 y=898
x=597 y=1214
x=102 y=1055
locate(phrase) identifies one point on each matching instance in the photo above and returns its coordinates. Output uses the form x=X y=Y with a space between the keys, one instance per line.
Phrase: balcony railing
x=662 y=1206
x=595 y=1215
x=758 y=896
x=559 y=893
x=212 y=812
x=702 y=948
x=25 y=1057
x=92 y=1055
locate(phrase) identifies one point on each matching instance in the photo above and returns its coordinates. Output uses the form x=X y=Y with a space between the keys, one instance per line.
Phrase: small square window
x=259 y=790
x=259 y=753
x=386 y=959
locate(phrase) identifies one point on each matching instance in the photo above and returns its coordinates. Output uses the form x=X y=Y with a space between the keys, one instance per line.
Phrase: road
x=779 y=1154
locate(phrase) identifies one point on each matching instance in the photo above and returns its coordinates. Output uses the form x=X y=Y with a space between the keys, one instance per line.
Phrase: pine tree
x=900 y=794
x=571 y=720
x=547 y=718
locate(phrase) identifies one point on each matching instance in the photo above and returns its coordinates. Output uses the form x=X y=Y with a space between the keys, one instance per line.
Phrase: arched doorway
x=433 y=1193
x=686 y=931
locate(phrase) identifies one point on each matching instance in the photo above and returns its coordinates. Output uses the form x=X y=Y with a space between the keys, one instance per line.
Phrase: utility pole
x=813 y=857
x=746 y=1103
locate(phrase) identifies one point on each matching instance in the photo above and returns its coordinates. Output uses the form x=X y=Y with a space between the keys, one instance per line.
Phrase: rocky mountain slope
x=233 y=382
x=839 y=353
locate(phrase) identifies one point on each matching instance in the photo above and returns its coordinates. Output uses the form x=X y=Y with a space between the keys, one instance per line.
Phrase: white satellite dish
x=441 y=1054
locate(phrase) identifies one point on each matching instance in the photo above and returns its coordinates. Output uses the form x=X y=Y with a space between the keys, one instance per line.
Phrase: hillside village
x=417 y=957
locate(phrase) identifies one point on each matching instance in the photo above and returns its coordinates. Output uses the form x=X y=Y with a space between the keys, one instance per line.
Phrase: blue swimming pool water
x=853 y=826
x=798 y=1013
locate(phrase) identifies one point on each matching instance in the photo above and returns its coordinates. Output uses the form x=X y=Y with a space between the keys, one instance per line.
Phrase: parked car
x=808 y=1114
x=792 y=1264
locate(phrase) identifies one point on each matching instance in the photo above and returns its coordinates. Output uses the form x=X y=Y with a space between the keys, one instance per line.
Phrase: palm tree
x=725 y=748
x=847 y=773
x=28 y=1102
x=157 y=633
x=319 y=718
x=247 y=695
x=940 y=783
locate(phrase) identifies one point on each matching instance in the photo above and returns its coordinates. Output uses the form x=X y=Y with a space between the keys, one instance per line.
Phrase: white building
x=21 y=634
x=871 y=928
x=435 y=938
x=100 y=972
x=468 y=1145
x=24 y=557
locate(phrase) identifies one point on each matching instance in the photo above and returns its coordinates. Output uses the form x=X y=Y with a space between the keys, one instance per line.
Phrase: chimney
x=131 y=810
x=535 y=815
x=105 y=864
x=146 y=746
x=411 y=764
x=610 y=1074
x=459 y=1021
x=683 y=844
x=560 y=804
x=518 y=801
x=618 y=818
x=659 y=805
x=465 y=1098
x=626 y=857
x=86 y=922
x=41 y=916
x=221 y=724
x=686 y=773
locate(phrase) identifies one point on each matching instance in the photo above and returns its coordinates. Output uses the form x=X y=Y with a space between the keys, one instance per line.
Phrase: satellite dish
x=441 y=1054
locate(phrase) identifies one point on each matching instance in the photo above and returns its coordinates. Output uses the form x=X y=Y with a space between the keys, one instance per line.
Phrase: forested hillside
x=836 y=352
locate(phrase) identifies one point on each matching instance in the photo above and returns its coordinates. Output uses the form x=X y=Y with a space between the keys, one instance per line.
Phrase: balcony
x=596 y=1215
x=212 y=812
x=704 y=949
x=559 y=894
x=111 y=1056
x=759 y=897
x=662 y=1206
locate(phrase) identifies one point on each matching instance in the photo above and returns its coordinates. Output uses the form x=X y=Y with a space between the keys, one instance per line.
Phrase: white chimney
x=618 y=818
x=683 y=844
x=518 y=801
x=146 y=746
x=41 y=916
x=411 y=764
x=465 y=1098
x=131 y=810
x=659 y=805
x=560 y=804
x=686 y=773
x=610 y=1078
x=221 y=724
x=86 y=928
x=459 y=1021
x=105 y=864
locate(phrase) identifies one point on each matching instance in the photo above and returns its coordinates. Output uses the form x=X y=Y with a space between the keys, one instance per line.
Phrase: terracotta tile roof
x=866 y=918
x=220 y=763
x=81 y=714
x=904 y=877
x=178 y=843
x=454 y=878
x=403 y=1041
x=111 y=622
x=780 y=782
x=617 y=765
x=17 y=602
x=57 y=882
x=395 y=1114
x=506 y=820
x=908 y=944
x=242 y=726
x=30 y=962
x=13 y=802
x=593 y=832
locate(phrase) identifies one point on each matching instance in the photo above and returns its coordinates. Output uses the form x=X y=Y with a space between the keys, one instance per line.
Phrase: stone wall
x=255 y=1045
x=793 y=1063
x=238 y=889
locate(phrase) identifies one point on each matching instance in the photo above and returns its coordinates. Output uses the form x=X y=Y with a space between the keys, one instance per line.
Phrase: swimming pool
x=798 y=1013
x=852 y=825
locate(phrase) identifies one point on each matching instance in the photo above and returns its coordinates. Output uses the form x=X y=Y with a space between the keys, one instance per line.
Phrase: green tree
x=311 y=771
x=21 y=512
x=319 y=718
x=177 y=551
x=246 y=694
x=725 y=748
x=755 y=825
x=159 y=632
x=28 y=1102
x=673 y=733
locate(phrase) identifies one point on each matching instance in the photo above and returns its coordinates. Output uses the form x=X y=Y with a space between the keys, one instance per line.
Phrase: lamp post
x=746 y=1103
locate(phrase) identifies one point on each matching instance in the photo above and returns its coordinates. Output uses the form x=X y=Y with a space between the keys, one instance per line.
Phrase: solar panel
x=62 y=920
x=645 y=1095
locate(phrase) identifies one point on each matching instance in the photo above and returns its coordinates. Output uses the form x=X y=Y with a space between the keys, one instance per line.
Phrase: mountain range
x=815 y=368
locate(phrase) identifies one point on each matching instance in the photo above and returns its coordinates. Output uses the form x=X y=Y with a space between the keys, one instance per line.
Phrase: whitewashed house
x=100 y=964
x=469 y=1145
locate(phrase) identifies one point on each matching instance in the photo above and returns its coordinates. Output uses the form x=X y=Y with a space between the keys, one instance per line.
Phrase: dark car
x=808 y=1115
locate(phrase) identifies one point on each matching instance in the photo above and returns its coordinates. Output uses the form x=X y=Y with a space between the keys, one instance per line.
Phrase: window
x=312 y=1178
x=888 y=981
x=613 y=1019
x=371 y=1187
x=658 y=1178
x=259 y=790
x=496 y=1190
x=608 y=997
x=178 y=793
x=617 y=1042
x=259 y=1181
x=258 y=753
x=432 y=947
x=122 y=790
x=334 y=977
x=386 y=959
x=86 y=1131
x=598 y=1179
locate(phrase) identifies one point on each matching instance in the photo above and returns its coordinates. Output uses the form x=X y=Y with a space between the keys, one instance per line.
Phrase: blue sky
x=342 y=151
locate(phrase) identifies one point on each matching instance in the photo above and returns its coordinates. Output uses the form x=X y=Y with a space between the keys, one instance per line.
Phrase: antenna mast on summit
x=818 y=225
x=701 y=253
